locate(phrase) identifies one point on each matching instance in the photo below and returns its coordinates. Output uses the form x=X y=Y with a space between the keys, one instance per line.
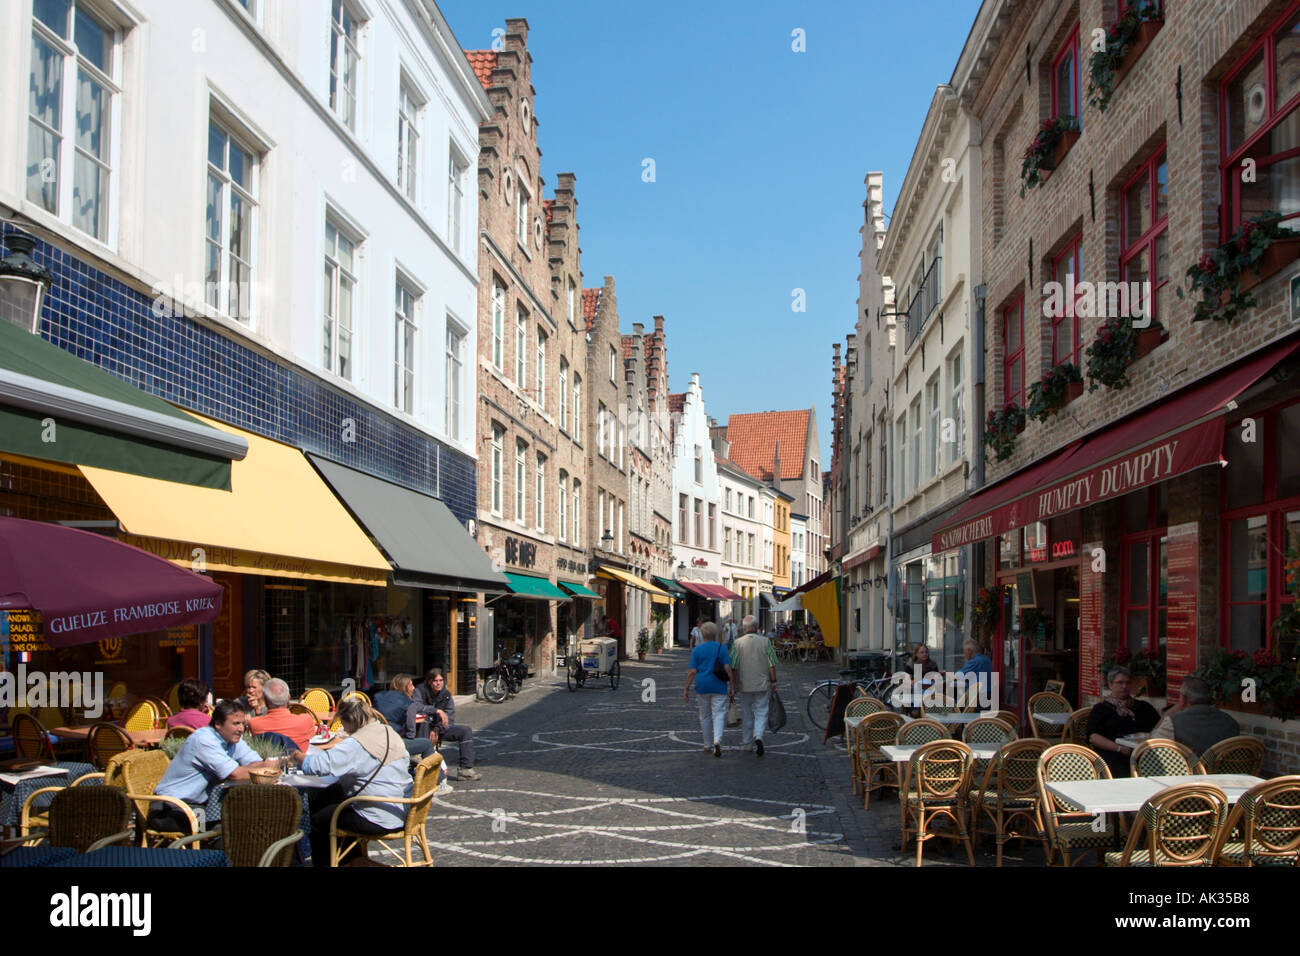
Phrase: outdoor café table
x=141 y=738
x=28 y=856
x=1127 y=794
x=13 y=796
x=125 y=856
x=953 y=718
x=903 y=754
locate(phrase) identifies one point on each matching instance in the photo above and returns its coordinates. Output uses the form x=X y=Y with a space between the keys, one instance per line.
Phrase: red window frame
x=1274 y=510
x=1069 y=316
x=1134 y=246
x=1069 y=49
x=1275 y=115
x=1152 y=538
x=1014 y=394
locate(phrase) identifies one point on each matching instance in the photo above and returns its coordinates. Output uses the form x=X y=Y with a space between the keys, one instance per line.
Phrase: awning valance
x=631 y=580
x=531 y=586
x=1175 y=436
x=578 y=590
x=669 y=585
x=278 y=519
x=710 y=592
x=426 y=544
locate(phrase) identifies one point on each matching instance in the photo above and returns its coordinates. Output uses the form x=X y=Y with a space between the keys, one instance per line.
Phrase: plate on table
x=321 y=739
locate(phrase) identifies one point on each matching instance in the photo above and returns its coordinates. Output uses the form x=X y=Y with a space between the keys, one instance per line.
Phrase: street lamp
x=22 y=283
x=607 y=541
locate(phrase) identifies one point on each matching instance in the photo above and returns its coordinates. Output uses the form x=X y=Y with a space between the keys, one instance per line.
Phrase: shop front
x=622 y=591
x=523 y=619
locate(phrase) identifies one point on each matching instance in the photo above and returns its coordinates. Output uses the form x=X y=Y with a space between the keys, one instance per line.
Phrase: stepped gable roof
x=754 y=437
x=590 y=305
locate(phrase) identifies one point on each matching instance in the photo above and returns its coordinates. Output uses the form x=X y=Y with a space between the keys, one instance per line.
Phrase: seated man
x=278 y=719
x=195 y=711
x=433 y=694
x=403 y=713
x=1194 y=721
x=211 y=755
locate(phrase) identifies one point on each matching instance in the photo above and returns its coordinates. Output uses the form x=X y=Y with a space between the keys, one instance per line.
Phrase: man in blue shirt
x=710 y=691
x=211 y=755
x=981 y=666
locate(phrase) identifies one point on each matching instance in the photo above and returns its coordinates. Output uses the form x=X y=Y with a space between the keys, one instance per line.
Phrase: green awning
x=577 y=590
x=531 y=586
x=57 y=407
x=669 y=585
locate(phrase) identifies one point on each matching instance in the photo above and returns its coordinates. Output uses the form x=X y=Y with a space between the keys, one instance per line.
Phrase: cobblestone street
x=601 y=776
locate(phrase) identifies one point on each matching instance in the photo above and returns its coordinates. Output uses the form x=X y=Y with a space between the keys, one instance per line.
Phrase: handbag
x=775 y=712
x=720 y=667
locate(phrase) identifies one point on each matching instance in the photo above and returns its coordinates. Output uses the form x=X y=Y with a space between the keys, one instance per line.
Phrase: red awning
x=868 y=555
x=809 y=585
x=1171 y=438
x=710 y=592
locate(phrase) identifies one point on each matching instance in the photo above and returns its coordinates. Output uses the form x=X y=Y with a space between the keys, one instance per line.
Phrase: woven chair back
x=862 y=706
x=141 y=770
x=304 y=710
x=1183 y=824
x=141 y=716
x=1076 y=727
x=876 y=731
x=987 y=730
x=357 y=693
x=113 y=775
x=106 y=741
x=1243 y=754
x=941 y=770
x=252 y=818
x=174 y=698
x=923 y=731
x=81 y=815
x=1009 y=717
x=1047 y=703
x=1163 y=758
x=426 y=781
x=30 y=738
x=320 y=701
x=161 y=708
x=1272 y=812
x=1064 y=762
x=1017 y=768
x=174 y=733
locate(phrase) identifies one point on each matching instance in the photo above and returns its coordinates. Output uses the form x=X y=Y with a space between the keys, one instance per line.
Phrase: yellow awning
x=278 y=519
x=618 y=574
x=660 y=598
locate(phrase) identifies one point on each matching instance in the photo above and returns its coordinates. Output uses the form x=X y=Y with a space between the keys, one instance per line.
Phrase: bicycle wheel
x=495 y=690
x=614 y=675
x=571 y=678
x=819 y=703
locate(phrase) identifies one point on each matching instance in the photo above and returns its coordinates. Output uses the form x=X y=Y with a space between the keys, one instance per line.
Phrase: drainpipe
x=979 y=548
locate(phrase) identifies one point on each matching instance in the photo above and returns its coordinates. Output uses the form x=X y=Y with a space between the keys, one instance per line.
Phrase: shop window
x=1258 y=102
x=1144 y=232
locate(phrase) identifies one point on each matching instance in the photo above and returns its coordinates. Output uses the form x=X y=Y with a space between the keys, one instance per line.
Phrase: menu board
x=1180 y=631
x=1091 y=588
x=21 y=631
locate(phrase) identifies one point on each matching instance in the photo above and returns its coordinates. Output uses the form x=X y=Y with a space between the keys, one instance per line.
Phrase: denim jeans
x=713 y=714
x=753 y=712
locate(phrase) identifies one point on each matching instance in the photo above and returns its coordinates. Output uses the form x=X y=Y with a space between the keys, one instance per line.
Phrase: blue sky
x=759 y=157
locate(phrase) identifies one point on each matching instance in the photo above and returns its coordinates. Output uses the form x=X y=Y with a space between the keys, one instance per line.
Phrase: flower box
x=1148 y=340
x=1072 y=391
x=1146 y=32
x=1280 y=254
x=1066 y=143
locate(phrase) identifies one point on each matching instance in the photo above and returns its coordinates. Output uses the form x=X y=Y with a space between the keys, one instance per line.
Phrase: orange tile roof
x=590 y=303
x=549 y=206
x=753 y=438
x=483 y=62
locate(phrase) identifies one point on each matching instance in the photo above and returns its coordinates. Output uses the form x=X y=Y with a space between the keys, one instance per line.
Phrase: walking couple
x=748 y=672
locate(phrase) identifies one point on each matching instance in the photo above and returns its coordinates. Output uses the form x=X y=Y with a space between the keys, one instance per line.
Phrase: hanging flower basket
x=1224 y=276
x=1001 y=429
x=1058 y=388
x=1126 y=39
x=1054 y=139
x=1117 y=346
x=985 y=612
x=1148 y=340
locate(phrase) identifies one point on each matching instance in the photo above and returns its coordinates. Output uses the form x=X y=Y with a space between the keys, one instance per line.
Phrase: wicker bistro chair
x=875 y=770
x=33 y=819
x=174 y=697
x=356 y=693
x=141 y=771
x=988 y=730
x=1268 y=818
x=295 y=708
x=1243 y=754
x=1009 y=717
x=921 y=731
x=174 y=733
x=320 y=701
x=937 y=785
x=1069 y=830
x=1076 y=727
x=1047 y=703
x=31 y=740
x=87 y=818
x=426 y=782
x=259 y=826
x=858 y=707
x=1181 y=826
x=141 y=716
x=1159 y=757
x=1009 y=793
x=104 y=742
x=162 y=709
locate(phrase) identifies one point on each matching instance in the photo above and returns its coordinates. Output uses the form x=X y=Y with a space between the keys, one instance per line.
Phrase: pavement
x=620 y=777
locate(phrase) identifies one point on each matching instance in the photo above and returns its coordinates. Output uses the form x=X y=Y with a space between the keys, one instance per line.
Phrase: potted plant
x=1225 y=275
x=1276 y=686
x=1117 y=346
x=1001 y=429
x=1057 y=388
x=659 y=638
x=1055 y=138
x=1125 y=40
x=985 y=612
x=642 y=643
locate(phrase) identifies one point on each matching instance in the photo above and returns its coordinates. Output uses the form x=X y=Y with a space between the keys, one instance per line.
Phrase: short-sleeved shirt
x=204 y=760
x=1106 y=720
x=752 y=657
x=191 y=717
x=702 y=659
x=297 y=727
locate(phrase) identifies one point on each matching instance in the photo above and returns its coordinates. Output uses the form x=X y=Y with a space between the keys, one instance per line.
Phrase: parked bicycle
x=881 y=686
x=507 y=676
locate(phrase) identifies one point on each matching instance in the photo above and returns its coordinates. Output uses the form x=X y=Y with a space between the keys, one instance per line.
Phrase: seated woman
x=402 y=713
x=254 y=680
x=195 y=711
x=1118 y=715
x=370 y=761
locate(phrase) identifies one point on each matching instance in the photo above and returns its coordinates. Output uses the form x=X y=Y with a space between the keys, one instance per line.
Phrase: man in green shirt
x=754 y=663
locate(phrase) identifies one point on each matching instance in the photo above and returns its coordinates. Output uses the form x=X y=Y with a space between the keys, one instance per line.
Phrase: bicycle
x=822 y=697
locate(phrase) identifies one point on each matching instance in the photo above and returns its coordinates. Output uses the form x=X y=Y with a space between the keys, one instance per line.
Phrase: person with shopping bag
x=754 y=662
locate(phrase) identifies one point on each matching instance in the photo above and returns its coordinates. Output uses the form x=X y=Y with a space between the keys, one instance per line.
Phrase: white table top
x=1129 y=793
x=903 y=753
x=1057 y=719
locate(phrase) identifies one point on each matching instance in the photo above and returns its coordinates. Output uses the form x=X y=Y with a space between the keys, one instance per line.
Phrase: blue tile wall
x=104 y=321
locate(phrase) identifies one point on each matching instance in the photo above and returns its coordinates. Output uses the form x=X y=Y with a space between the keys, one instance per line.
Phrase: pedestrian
x=696 y=634
x=730 y=631
x=754 y=664
x=711 y=691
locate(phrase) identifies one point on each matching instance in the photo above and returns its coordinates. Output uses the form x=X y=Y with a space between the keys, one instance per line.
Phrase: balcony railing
x=924 y=301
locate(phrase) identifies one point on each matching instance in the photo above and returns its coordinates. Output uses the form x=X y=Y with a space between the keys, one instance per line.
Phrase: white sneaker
x=444 y=788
